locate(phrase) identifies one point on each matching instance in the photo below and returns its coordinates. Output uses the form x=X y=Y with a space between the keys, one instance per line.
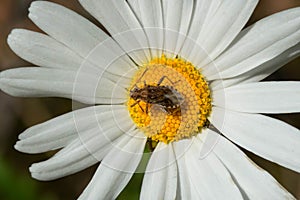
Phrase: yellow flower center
x=169 y=100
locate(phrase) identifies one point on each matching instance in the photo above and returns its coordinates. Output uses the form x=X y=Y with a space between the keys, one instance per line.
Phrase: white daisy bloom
x=180 y=75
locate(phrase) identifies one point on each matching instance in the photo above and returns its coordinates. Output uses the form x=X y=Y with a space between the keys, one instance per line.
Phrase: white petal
x=177 y=15
x=60 y=131
x=118 y=18
x=36 y=81
x=78 y=34
x=160 y=179
x=185 y=189
x=201 y=10
x=260 y=72
x=223 y=22
x=93 y=140
x=66 y=26
x=135 y=7
x=260 y=97
x=110 y=58
x=73 y=160
x=151 y=18
x=75 y=157
x=267 y=137
x=253 y=180
x=40 y=82
x=117 y=168
x=208 y=176
x=257 y=44
x=42 y=50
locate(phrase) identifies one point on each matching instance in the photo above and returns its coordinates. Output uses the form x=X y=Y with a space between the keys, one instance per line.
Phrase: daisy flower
x=181 y=76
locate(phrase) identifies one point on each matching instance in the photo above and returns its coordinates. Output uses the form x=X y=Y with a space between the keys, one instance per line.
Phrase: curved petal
x=42 y=50
x=72 y=161
x=118 y=18
x=267 y=137
x=43 y=82
x=253 y=180
x=260 y=72
x=200 y=13
x=185 y=188
x=257 y=44
x=151 y=18
x=110 y=59
x=177 y=16
x=45 y=51
x=199 y=17
x=60 y=131
x=260 y=97
x=160 y=179
x=76 y=156
x=136 y=9
x=223 y=21
x=92 y=141
x=78 y=35
x=207 y=174
x=117 y=168
x=74 y=31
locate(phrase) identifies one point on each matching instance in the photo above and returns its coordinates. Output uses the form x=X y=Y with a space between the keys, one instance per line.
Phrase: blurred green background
x=17 y=114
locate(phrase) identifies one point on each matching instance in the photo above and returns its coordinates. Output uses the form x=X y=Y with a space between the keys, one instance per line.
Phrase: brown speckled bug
x=167 y=97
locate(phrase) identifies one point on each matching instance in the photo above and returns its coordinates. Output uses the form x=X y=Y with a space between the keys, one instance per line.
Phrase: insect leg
x=135 y=103
x=141 y=107
x=147 y=108
x=163 y=78
x=138 y=103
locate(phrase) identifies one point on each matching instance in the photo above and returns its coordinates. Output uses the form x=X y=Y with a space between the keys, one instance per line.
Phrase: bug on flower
x=167 y=97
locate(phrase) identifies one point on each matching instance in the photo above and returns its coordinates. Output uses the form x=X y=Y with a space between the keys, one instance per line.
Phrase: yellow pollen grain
x=184 y=79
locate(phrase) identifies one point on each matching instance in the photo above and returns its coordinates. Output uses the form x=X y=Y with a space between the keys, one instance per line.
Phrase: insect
x=167 y=97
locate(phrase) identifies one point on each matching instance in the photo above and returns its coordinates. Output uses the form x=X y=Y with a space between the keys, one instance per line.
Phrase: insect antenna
x=165 y=77
x=135 y=85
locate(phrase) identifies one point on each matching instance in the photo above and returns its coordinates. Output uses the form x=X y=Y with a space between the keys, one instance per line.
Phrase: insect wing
x=175 y=97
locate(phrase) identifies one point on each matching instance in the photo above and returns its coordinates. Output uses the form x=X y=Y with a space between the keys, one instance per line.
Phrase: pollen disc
x=169 y=100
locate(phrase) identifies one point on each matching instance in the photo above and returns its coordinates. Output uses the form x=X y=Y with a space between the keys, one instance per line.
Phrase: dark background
x=17 y=114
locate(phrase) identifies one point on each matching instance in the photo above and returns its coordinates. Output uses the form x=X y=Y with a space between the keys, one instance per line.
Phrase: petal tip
x=39 y=174
x=34 y=9
x=14 y=36
x=35 y=169
x=32 y=16
x=10 y=37
x=17 y=146
x=32 y=168
x=36 y=172
x=37 y=7
x=33 y=5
